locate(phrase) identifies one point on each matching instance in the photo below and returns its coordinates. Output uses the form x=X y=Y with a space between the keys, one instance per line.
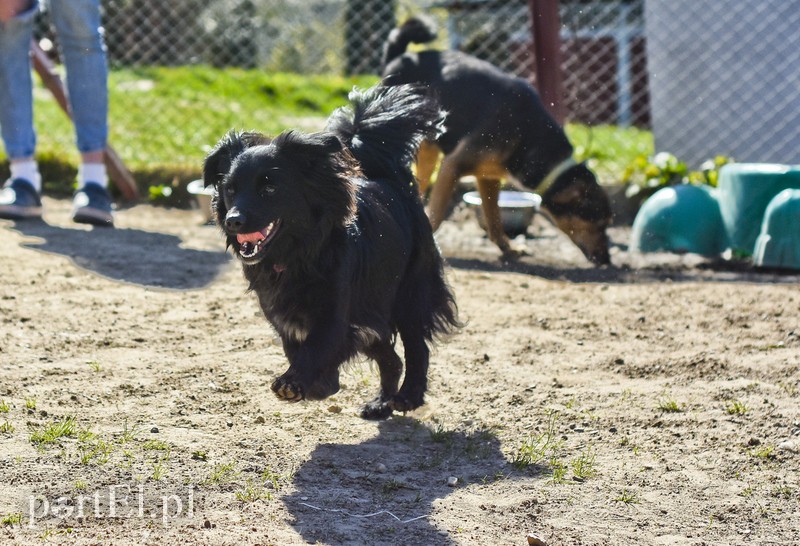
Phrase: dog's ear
x=309 y=148
x=219 y=160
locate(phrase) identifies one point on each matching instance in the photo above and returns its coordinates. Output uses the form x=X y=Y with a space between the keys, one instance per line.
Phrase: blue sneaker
x=19 y=200
x=92 y=205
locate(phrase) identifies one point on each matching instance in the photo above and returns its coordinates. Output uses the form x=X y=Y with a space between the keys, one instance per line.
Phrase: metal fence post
x=546 y=30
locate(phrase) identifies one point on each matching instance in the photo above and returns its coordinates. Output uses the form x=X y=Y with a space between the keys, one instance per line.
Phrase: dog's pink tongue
x=254 y=237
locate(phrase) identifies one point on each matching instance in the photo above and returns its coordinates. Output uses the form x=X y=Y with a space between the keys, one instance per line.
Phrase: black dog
x=334 y=242
x=497 y=128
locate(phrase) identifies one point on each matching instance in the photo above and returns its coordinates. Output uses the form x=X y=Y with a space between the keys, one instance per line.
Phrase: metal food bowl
x=203 y=195
x=517 y=209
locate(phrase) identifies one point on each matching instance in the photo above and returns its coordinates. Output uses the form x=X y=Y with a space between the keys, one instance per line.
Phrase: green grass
x=4 y=407
x=52 y=432
x=164 y=120
x=736 y=407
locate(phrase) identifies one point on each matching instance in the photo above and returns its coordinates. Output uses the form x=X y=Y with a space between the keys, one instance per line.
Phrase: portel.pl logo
x=113 y=501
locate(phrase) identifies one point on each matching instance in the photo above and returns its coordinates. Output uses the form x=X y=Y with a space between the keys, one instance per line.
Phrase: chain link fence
x=707 y=76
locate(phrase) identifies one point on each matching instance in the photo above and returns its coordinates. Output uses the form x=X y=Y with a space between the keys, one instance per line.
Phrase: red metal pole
x=546 y=30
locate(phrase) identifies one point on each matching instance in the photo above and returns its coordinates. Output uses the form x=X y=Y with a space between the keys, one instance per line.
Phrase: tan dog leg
x=442 y=191
x=427 y=156
x=489 y=189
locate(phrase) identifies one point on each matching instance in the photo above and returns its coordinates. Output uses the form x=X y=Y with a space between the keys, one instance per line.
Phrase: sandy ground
x=654 y=402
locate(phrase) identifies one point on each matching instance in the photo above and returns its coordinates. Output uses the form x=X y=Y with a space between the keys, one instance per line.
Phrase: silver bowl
x=517 y=209
x=203 y=195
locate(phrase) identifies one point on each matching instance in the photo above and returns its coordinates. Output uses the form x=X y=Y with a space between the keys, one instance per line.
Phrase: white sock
x=29 y=171
x=92 y=172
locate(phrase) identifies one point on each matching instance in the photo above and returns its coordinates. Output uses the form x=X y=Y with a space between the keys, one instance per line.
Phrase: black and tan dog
x=333 y=239
x=497 y=128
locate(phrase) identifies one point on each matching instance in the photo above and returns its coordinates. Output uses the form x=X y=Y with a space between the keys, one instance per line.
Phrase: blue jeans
x=79 y=32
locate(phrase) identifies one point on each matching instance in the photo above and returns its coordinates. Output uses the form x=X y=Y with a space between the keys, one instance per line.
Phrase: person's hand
x=11 y=8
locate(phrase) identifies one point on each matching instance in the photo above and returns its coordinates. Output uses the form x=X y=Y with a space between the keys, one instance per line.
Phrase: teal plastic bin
x=680 y=219
x=778 y=245
x=745 y=190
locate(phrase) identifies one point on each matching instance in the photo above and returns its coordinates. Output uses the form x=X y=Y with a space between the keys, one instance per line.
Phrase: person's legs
x=79 y=31
x=20 y=196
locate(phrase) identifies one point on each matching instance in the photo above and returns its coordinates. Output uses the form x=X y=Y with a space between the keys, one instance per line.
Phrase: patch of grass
x=127 y=434
x=252 y=492
x=627 y=497
x=221 y=473
x=51 y=433
x=736 y=407
x=8 y=520
x=669 y=405
x=583 y=466
x=159 y=470
x=80 y=486
x=200 y=455
x=156 y=445
x=559 y=469
x=538 y=448
x=97 y=451
x=6 y=428
x=4 y=408
x=441 y=435
x=763 y=452
x=30 y=404
x=94 y=365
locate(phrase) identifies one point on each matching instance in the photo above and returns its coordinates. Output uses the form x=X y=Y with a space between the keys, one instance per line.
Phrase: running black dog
x=497 y=128
x=334 y=242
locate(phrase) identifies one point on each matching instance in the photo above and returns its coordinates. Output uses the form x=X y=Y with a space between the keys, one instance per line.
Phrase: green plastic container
x=778 y=245
x=745 y=190
x=680 y=219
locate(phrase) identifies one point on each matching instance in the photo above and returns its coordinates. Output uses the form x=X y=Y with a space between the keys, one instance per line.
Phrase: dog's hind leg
x=442 y=191
x=415 y=382
x=427 y=156
x=391 y=368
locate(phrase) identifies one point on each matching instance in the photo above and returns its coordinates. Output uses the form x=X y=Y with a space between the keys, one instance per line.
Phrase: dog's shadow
x=382 y=491
x=127 y=255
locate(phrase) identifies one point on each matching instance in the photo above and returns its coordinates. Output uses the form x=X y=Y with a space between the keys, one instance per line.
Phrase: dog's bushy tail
x=416 y=30
x=384 y=126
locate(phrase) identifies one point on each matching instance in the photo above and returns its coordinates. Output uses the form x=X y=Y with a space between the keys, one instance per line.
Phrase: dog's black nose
x=234 y=221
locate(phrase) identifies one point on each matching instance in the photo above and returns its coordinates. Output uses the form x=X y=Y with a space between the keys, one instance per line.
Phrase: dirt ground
x=653 y=402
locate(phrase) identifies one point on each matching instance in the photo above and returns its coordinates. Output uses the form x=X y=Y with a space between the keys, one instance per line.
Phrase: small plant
x=222 y=473
x=252 y=493
x=9 y=520
x=6 y=428
x=94 y=365
x=4 y=408
x=156 y=445
x=764 y=452
x=54 y=431
x=559 y=469
x=735 y=407
x=200 y=455
x=30 y=404
x=441 y=435
x=127 y=434
x=538 y=448
x=79 y=486
x=583 y=466
x=669 y=405
x=159 y=470
x=627 y=497
x=647 y=174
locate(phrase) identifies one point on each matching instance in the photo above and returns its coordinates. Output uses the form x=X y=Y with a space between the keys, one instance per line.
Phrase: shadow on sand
x=128 y=255
x=382 y=491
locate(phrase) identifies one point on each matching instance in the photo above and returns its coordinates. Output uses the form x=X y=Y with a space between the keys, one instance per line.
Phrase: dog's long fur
x=496 y=128
x=336 y=246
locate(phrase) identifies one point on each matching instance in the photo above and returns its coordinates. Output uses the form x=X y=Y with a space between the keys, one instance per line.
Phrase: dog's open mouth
x=252 y=245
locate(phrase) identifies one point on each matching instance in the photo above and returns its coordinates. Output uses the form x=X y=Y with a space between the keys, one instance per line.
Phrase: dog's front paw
x=376 y=409
x=287 y=389
x=513 y=252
